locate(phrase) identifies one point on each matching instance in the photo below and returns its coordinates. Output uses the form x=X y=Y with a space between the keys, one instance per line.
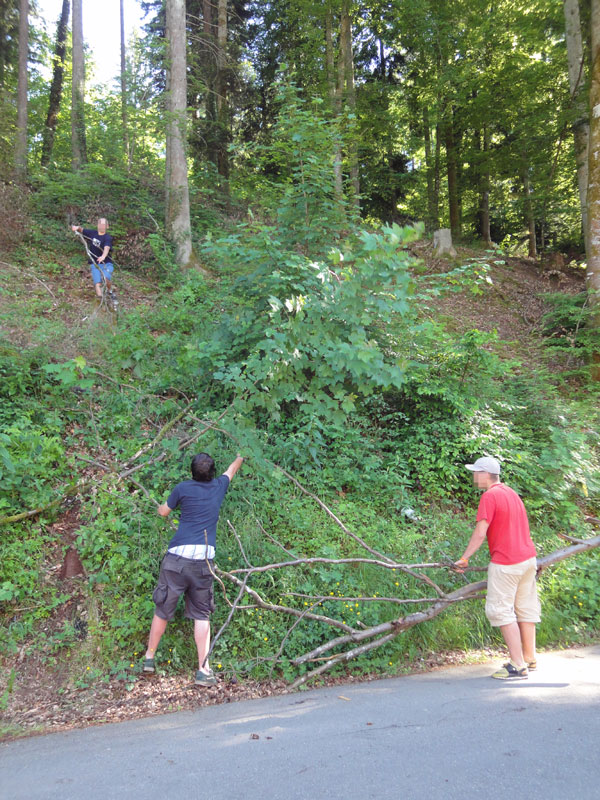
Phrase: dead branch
x=379 y=599
x=385 y=632
x=223 y=627
x=571 y=539
x=266 y=534
x=391 y=565
x=241 y=546
x=336 y=623
x=161 y=435
x=328 y=511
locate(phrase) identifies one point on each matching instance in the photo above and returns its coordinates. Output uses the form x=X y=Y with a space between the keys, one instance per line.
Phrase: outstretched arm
x=233 y=467
x=475 y=542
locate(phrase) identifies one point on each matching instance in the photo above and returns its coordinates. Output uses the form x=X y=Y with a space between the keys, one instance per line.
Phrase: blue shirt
x=200 y=505
x=96 y=243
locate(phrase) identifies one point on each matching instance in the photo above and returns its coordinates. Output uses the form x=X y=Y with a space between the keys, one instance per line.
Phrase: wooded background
x=273 y=173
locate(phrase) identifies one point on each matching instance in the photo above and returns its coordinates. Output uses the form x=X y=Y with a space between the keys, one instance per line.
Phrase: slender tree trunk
x=78 y=144
x=21 y=140
x=433 y=222
x=484 y=189
x=124 y=120
x=581 y=128
x=451 y=165
x=222 y=101
x=178 y=200
x=56 y=85
x=334 y=101
x=593 y=193
x=437 y=174
x=382 y=60
x=210 y=31
x=349 y=93
x=528 y=210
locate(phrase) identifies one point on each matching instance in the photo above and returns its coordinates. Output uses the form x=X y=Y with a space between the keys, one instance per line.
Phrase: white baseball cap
x=485 y=464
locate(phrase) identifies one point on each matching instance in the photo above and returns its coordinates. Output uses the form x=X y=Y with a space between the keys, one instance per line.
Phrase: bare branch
x=242 y=551
x=325 y=508
x=285 y=609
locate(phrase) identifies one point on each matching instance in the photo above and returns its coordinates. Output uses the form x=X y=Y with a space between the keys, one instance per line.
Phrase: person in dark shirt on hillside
x=512 y=602
x=187 y=566
x=99 y=243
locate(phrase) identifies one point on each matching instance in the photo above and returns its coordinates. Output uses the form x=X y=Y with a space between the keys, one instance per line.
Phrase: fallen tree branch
x=385 y=632
x=285 y=609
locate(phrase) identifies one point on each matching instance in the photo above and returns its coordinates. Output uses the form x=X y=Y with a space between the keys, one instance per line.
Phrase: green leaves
x=316 y=341
x=72 y=373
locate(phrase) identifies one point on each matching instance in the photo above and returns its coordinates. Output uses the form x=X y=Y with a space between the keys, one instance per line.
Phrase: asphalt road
x=454 y=733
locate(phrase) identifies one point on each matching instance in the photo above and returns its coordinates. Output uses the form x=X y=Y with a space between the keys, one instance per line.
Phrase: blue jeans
x=107 y=269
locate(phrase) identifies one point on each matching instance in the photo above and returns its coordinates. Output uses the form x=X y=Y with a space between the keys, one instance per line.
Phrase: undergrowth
x=320 y=353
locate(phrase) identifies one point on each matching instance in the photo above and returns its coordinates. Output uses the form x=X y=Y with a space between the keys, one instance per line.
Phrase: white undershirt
x=194 y=551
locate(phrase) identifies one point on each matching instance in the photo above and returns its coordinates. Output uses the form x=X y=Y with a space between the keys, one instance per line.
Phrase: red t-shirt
x=508 y=528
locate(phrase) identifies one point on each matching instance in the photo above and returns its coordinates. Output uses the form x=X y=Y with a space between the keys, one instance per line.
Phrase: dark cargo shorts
x=179 y=575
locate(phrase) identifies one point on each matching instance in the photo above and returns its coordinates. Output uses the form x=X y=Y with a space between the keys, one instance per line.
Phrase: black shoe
x=149 y=665
x=510 y=672
x=205 y=678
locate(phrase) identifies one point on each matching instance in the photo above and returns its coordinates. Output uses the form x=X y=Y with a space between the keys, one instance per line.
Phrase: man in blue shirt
x=99 y=244
x=187 y=566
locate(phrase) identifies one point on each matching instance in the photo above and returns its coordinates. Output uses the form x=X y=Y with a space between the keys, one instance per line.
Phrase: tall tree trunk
x=21 y=140
x=528 y=210
x=124 y=121
x=593 y=193
x=222 y=101
x=349 y=93
x=334 y=101
x=56 y=85
x=484 y=189
x=177 y=192
x=452 y=171
x=210 y=31
x=78 y=145
x=581 y=128
x=437 y=173
x=433 y=222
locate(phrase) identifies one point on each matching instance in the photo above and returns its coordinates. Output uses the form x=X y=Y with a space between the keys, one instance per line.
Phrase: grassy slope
x=51 y=304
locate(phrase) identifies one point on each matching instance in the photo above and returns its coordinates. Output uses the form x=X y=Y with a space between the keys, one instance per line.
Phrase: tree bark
x=528 y=211
x=484 y=189
x=78 y=143
x=349 y=92
x=21 y=141
x=177 y=192
x=222 y=101
x=593 y=192
x=451 y=165
x=124 y=120
x=433 y=222
x=56 y=85
x=581 y=128
x=210 y=77
x=334 y=100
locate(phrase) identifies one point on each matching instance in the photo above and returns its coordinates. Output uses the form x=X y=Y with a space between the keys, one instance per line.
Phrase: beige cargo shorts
x=512 y=593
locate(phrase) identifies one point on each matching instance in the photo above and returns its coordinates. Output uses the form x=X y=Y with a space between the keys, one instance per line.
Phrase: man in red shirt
x=512 y=602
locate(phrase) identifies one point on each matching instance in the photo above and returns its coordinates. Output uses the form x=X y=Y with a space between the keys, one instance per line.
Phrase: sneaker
x=510 y=672
x=205 y=678
x=149 y=665
x=531 y=665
